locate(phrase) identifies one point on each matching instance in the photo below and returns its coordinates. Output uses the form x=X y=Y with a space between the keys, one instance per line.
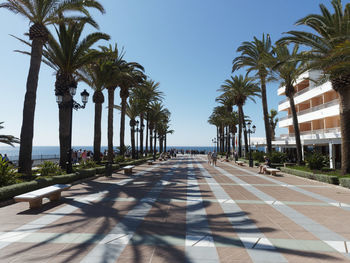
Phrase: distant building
x=317 y=108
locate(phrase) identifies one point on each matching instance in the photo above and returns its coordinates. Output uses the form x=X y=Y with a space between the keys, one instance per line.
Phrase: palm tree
x=288 y=68
x=113 y=66
x=327 y=43
x=145 y=94
x=133 y=76
x=66 y=56
x=8 y=139
x=40 y=14
x=132 y=111
x=273 y=122
x=254 y=56
x=94 y=75
x=240 y=89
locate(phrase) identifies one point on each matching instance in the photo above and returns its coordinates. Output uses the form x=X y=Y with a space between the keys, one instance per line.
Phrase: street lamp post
x=137 y=139
x=76 y=106
x=214 y=141
x=250 y=131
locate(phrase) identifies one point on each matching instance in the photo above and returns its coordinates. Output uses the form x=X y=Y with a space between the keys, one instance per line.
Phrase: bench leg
x=55 y=196
x=273 y=173
x=35 y=203
x=128 y=171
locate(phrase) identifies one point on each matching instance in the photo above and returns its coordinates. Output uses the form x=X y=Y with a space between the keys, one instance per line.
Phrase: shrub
x=258 y=156
x=278 y=157
x=7 y=173
x=87 y=172
x=345 y=182
x=88 y=164
x=100 y=170
x=49 y=168
x=316 y=161
x=119 y=159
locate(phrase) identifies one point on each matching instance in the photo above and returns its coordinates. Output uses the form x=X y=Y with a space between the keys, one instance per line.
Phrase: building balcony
x=328 y=109
x=305 y=94
x=329 y=133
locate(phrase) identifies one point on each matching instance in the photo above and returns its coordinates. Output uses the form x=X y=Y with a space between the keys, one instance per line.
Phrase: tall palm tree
x=132 y=111
x=288 y=68
x=329 y=35
x=8 y=139
x=40 y=14
x=94 y=75
x=66 y=56
x=133 y=76
x=241 y=89
x=254 y=56
x=273 y=122
x=145 y=94
x=113 y=66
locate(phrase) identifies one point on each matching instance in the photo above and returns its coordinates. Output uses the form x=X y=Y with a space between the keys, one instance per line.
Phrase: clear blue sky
x=186 y=45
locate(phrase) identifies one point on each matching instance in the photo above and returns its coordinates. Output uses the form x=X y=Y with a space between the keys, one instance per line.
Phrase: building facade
x=317 y=107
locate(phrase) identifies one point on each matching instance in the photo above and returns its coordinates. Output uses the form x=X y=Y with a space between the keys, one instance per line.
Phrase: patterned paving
x=183 y=210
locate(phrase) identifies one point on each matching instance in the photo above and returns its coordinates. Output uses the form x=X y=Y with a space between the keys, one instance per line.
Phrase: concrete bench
x=128 y=169
x=149 y=162
x=240 y=163
x=35 y=198
x=272 y=171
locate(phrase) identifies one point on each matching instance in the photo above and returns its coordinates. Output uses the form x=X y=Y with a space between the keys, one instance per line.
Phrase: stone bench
x=128 y=169
x=149 y=162
x=240 y=163
x=35 y=198
x=271 y=171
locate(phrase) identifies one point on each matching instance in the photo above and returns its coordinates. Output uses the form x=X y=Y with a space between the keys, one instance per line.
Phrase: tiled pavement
x=183 y=210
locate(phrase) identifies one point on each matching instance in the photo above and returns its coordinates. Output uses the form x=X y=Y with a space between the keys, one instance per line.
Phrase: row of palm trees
x=73 y=59
x=327 y=49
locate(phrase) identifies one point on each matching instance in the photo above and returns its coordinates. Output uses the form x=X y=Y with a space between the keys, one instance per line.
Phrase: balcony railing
x=322 y=106
x=297 y=94
x=320 y=131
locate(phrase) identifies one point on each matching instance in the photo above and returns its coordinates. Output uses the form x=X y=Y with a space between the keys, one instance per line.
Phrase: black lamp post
x=72 y=104
x=214 y=141
x=250 y=131
x=137 y=139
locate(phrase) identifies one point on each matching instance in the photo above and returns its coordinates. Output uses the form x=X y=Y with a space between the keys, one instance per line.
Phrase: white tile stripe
x=199 y=241
x=53 y=216
x=318 y=230
x=112 y=245
x=251 y=241
x=298 y=189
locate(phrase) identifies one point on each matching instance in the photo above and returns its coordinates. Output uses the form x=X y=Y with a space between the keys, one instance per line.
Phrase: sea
x=52 y=152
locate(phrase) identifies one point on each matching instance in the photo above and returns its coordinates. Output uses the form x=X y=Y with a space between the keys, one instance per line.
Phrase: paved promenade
x=183 y=210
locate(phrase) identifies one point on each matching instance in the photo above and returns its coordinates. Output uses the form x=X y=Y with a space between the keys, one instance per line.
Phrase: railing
x=297 y=94
x=320 y=131
x=37 y=159
x=322 y=106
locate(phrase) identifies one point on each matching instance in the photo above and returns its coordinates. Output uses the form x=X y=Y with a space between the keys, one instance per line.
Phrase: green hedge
x=345 y=182
x=100 y=169
x=87 y=172
x=318 y=177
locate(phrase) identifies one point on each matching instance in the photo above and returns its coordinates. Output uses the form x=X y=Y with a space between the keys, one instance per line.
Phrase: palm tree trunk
x=141 y=134
x=246 y=146
x=266 y=114
x=110 y=124
x=155 y=143
x=97 y=132
x=344 y=110
x=65 y=118
x=27 y=130
x=132 y=136
x=296 y=129
x=217 y=138
x=122 y=125
x=146 y=137
x=150 y=140
x=240 y=122
x=165 y=142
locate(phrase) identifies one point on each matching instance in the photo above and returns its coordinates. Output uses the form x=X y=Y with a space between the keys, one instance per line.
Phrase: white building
x=317 y=108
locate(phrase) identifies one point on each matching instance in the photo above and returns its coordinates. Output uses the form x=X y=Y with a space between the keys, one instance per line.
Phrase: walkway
x=183 y=210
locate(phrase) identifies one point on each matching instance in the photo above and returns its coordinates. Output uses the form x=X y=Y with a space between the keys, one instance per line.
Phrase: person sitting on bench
x=267 y=164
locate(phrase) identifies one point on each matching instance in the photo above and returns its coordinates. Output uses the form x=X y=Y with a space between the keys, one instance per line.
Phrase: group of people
x=212 y=158
x=81 y=156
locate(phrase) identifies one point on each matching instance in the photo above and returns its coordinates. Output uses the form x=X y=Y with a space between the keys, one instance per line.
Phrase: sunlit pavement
x=183 y=210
